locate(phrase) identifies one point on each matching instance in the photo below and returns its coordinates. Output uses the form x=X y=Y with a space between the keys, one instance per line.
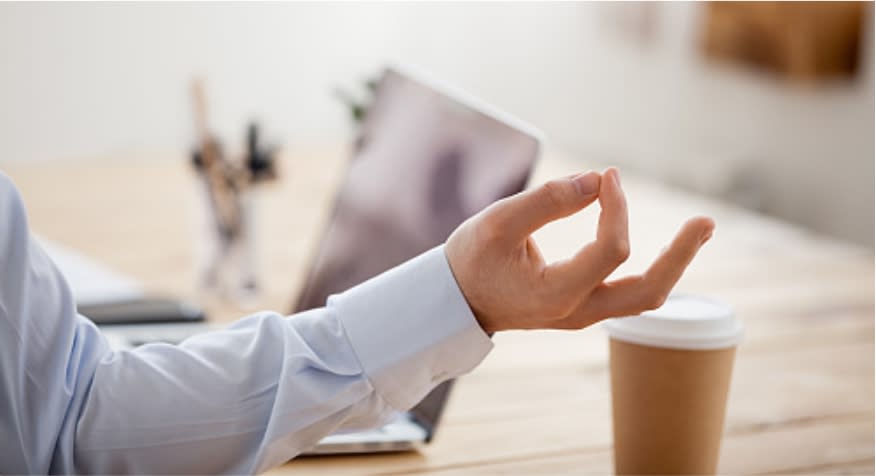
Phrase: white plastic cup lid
x=684 y=322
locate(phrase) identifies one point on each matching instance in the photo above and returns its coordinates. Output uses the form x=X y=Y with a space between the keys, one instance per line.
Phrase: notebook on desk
x=90 y=282
x=428 y=157
x=118 y=304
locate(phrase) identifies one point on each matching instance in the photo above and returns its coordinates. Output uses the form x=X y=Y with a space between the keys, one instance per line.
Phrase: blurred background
x=770 y=106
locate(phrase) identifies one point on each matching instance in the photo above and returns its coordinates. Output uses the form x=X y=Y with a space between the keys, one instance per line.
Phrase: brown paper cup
x=670 y=375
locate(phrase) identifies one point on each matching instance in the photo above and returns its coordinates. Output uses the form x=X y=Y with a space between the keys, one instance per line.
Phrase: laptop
x=427 y=158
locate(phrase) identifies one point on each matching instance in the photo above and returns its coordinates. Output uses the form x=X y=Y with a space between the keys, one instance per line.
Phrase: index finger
x=598 y=259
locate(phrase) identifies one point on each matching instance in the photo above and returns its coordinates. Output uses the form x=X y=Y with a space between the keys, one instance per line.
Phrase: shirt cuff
x=411 y=328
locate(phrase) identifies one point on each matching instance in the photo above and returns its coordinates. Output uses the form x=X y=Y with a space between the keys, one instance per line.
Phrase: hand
x=509 y=286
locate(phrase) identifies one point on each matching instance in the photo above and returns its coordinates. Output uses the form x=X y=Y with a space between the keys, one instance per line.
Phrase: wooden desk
x=802 y=394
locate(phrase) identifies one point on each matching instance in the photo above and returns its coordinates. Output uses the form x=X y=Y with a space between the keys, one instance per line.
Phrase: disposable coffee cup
x=670 y=375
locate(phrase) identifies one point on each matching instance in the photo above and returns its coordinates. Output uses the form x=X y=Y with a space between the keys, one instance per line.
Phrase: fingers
x=518 y=216
x=635 y=294
x=593 y=263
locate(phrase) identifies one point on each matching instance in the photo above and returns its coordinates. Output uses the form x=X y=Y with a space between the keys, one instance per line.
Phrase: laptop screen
x=424 y=162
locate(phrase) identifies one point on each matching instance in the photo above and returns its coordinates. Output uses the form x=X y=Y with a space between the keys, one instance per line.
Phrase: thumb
x=522 y=214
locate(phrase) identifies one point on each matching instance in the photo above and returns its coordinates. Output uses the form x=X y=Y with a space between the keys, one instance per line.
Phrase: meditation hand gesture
x=508 y=285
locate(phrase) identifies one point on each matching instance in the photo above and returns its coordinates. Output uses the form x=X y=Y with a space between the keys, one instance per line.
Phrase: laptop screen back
x=424 y=163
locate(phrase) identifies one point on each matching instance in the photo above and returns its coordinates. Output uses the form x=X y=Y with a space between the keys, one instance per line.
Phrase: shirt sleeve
x=238 y=400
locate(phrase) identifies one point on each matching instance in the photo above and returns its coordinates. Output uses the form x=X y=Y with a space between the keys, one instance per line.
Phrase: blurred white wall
x=111 y=80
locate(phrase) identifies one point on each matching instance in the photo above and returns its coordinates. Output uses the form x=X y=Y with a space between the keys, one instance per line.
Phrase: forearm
x=269 y=387
x=233 y=401
x=237 y=400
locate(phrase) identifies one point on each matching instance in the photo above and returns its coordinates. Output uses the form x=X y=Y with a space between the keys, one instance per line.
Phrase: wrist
x=456 y=270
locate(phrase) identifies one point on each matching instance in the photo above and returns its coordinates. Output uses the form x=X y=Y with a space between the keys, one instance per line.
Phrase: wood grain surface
x=802 y=396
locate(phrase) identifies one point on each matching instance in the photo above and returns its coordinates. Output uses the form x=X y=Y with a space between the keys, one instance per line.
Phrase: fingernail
x=706 y=236
x=587 y=184
x=616 y=175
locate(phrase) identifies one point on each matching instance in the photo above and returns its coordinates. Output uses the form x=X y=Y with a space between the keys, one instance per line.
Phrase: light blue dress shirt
x=238 y=400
